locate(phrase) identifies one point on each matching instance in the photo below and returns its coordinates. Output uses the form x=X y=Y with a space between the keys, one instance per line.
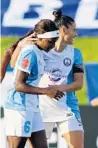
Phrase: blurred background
x=19 y=16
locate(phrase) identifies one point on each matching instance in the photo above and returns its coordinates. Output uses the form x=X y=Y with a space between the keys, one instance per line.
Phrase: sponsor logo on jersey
x=25 y=63
x=56 y=75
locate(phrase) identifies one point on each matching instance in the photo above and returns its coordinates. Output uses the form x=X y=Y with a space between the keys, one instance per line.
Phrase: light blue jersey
x=60 y=69
x=30 y=61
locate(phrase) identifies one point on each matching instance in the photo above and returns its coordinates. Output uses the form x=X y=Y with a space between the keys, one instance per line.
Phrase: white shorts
x=64 y=126
x=22 y=123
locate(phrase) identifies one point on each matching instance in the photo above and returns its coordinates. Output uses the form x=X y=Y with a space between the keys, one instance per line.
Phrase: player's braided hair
x=62 y=19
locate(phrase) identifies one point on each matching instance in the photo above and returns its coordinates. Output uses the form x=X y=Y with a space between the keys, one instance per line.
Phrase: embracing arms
x=4 y=63
x=74 y=86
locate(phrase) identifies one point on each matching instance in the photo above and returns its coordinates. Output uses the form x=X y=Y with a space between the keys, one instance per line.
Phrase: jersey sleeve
x=27 y=61
x=78 y=62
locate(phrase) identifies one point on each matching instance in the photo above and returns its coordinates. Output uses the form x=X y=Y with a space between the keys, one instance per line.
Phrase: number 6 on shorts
x=27 y=126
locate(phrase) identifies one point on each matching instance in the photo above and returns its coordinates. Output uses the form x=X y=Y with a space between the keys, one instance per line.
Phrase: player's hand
x=59 y=95
x=27 y=40
x=54 y=93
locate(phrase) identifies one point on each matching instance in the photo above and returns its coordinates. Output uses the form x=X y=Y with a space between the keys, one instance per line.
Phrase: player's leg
x=18 y=127
x=72 y=132
x=44 y=135
x=38 y=137
x=16 y=142
x=38 y=140
x=74 y=139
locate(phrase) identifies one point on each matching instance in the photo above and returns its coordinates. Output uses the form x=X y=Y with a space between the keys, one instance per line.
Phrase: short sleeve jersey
x=28 y=61
x=60 y=69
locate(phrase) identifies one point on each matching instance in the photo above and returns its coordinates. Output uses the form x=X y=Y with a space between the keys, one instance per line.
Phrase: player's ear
x=63 y=30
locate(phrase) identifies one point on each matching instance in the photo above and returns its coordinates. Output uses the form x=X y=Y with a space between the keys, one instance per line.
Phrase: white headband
x=51 y=34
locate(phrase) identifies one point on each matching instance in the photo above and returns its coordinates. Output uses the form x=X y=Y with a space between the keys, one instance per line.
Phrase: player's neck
x=60 y=45
x=39 y=47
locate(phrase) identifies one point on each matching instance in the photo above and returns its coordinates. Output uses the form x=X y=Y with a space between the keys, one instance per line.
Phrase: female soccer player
x=22 y=115
x=64 y=70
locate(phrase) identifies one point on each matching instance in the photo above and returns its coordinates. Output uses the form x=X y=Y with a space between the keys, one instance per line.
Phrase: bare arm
x=21 y=44
x=76 y=85
x=15 y=56
x=25 y=88
x=11 y=54
x=4 y=63
x=21 y=86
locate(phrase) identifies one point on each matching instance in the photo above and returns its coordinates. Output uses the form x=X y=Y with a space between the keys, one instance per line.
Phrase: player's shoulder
x=28 y=49
x=77 y=51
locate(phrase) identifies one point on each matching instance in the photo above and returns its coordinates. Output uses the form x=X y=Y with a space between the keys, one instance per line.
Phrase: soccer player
x=64 y=70
x=22 y=115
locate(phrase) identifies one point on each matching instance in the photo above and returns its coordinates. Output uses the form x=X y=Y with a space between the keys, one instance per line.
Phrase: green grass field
x=88 y=46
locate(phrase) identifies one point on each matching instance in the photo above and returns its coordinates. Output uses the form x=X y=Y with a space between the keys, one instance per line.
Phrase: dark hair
x=62 y=19
x=44 y=25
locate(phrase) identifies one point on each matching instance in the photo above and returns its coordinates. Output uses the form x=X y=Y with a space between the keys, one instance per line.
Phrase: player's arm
x=14 y=56
x=4 y=63
x=21 y=86
x=26 y=64
x=6 y=59
x=76 y=85
x=11 y=54
x=21 y=44
x=25 y=88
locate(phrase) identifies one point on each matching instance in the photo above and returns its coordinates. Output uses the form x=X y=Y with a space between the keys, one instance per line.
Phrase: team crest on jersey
x=55 y=75
x=25 y=63
x=67 y=61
